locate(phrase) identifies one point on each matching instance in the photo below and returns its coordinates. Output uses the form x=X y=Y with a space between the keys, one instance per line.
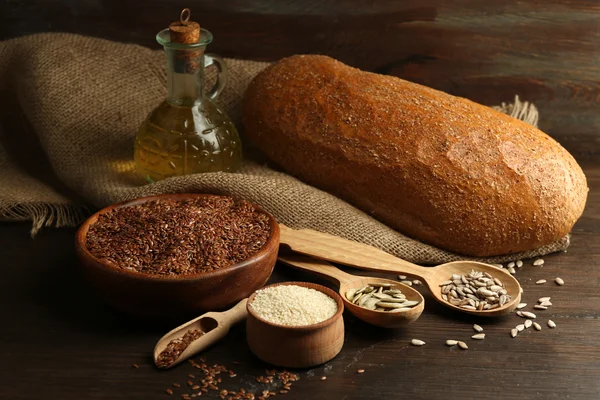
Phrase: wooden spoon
x=358 y=255
x=346 y=281
x=215 y=326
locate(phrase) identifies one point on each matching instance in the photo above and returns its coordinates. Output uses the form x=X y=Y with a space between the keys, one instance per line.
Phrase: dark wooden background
x=59 y=342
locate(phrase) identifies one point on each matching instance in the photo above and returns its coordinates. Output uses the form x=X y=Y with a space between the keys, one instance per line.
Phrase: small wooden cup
x=296 y=346
x=175 y=297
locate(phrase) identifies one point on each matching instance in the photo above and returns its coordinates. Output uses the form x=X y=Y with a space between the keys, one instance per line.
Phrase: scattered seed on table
x=559 y=281
x=537 y=326
x=551 y=324
x=478 y=336
x=519 y=263
x=462 y=345
x=540 y=307
x=176 y=385
x=135 y=366
x=540 y=282
x=169 y=391
x=417 y=342
x=477 y=328
x=521 y=305
x=451 y=342
x=195 y=387
x=527 y=314
x=520 y=327
x=545 y=303
x=543 y=299
x=520 y=313
x=514 y=332
x=402 y=277
x=323 y=378
x=360 y=371
x=528 y=324
x=539 y=262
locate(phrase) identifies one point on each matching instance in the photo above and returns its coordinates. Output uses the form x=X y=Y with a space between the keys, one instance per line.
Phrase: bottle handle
x=213 y=59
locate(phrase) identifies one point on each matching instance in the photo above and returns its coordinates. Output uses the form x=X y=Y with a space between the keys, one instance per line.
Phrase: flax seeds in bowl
x=174 y=255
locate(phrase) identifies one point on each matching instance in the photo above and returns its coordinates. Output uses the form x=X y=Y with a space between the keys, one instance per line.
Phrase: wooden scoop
x=215 y=326
x=385 y=319
x=358 y=255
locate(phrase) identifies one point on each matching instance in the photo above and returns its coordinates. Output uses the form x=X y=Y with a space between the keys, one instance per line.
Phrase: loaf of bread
x=436 y=167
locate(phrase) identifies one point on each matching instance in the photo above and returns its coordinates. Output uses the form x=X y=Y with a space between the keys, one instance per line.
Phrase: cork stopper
x=184 y=30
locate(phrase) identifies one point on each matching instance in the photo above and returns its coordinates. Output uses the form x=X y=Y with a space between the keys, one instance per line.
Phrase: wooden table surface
x=59 y=342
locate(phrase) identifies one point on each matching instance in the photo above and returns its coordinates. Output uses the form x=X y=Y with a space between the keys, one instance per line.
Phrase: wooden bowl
x=175 y=297
x=296 y=346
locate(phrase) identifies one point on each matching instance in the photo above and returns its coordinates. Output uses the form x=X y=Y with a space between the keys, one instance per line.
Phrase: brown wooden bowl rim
x=310 y=285
x=81 y=236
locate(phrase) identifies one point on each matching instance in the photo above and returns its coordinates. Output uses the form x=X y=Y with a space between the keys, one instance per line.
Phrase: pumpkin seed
x=390 y=305
x=378 y=285
x=350 y=294
x=392 y=310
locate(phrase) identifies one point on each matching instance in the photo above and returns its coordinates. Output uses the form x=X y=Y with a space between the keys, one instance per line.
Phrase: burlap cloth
x=70 y=108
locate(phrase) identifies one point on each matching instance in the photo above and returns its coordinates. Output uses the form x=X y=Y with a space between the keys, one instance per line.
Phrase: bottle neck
x=185 y=76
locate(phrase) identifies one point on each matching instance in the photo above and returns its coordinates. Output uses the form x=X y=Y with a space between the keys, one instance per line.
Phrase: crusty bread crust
x=436 y=167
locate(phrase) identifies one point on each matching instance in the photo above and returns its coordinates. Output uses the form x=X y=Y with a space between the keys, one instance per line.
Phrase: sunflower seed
x=528 y=324
x=538 y=262
x=385 y=304
x=527 y=314
x=417 y=342
x=469 y=307
x=445 y=297
x=545 y=303
x=350 y=294
x=519 y=263
x=451 y=342
x=512 y=271
x=503 y=299
x=510 y=265
x=462 y=345
x=543 y=299
x=559 y=281
x=498 y=265
x=520 y=327
x=540 y=282
x=514 y=332
x=478 y=336
x=540 y=307
x=521 y=305
x=416 y=282
x=477 y=328
x=520 y=313
x=407 y=283
x=551 y=324
x=537 y=326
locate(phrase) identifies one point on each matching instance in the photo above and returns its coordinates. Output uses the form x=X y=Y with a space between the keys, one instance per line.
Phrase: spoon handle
x=347 y=252
x=319 y=267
